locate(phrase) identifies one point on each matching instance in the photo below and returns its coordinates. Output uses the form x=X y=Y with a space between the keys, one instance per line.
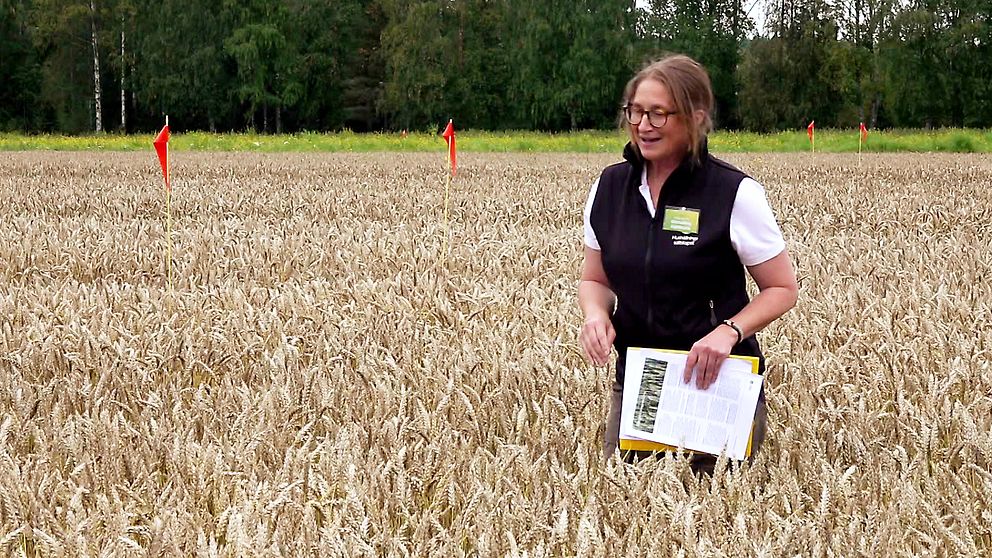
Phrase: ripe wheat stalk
x=317 y=383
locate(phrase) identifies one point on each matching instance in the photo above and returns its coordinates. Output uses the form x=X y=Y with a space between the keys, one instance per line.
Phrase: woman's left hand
x=707 y=355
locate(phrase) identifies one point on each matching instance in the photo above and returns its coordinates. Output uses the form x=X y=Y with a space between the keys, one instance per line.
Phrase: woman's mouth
x=649 y=141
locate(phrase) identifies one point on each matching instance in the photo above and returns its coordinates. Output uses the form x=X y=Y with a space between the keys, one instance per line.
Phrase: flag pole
x=168 y=212
x=449 y=138
x=862 y=137
x=444 y=240
x=860 y=140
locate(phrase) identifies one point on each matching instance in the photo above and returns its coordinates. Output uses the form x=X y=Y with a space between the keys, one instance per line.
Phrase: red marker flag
x=809 y=130
x=864 y=132
x=162 y=148
x=449 y=137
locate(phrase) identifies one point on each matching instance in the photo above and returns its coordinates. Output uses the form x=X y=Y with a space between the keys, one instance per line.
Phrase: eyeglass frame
x=655 y=112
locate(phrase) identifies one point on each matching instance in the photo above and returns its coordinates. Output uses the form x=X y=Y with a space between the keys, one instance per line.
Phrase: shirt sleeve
x=589 y=235
x=753 y=230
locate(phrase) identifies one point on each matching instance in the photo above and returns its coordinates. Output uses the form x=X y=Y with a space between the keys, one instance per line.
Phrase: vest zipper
x=647 y=274
x=713 y=320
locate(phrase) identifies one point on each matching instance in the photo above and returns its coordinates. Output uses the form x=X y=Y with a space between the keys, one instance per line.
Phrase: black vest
x=672 y=287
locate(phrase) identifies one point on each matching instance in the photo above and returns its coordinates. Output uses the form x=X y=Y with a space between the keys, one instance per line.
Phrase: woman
x=652 y=278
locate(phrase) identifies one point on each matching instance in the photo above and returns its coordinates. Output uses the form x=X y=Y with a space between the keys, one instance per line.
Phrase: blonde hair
x=689 y=85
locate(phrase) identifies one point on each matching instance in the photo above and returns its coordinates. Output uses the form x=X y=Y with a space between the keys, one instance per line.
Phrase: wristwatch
x=736 y=328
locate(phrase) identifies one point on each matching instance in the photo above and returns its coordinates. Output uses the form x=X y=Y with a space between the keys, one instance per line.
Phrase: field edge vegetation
x=948 y=140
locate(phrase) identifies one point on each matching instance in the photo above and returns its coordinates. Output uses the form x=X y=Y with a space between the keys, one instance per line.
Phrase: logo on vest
x=684 y=240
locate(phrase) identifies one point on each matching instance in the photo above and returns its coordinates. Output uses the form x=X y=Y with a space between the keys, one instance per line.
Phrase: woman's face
x=667 y=143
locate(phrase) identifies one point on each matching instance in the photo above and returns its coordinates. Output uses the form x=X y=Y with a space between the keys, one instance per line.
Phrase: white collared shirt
x=754 y=232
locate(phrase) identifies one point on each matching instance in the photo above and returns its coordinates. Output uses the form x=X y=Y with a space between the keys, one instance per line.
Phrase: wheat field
x=319 y=381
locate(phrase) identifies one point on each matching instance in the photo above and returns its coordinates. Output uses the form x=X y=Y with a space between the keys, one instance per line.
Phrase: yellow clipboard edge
x=633 y=444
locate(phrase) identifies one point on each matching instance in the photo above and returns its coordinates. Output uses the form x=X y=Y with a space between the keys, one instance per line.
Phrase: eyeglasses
x=657 y=117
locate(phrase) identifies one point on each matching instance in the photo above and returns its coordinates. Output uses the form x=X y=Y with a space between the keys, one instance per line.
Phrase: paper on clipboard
x=658 y=407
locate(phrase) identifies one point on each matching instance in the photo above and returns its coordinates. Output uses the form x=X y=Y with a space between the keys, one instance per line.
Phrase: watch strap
x=736 y=328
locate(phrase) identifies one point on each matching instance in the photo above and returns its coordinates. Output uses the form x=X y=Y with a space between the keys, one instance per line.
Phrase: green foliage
x=798 y=74
x=367 y=65
x=181 y=70
x=338 y=70
x=416 y=68
x=711 y=32
x=19 y=82
x=62 y=41
x=935 y=64
x=580 y=85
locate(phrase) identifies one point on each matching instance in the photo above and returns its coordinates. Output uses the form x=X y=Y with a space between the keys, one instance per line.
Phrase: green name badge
x=681 y=219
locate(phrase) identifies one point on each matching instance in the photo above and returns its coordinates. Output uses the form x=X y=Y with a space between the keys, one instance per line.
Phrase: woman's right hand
x=596 y=301
x=597 y=337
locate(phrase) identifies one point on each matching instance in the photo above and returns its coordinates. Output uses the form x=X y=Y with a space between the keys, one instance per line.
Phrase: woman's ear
x=699 y=116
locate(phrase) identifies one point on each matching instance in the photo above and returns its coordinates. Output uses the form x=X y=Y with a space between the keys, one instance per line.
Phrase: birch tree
x=97 y=94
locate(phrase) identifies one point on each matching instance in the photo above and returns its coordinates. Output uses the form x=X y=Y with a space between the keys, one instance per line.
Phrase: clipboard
x=627 y=443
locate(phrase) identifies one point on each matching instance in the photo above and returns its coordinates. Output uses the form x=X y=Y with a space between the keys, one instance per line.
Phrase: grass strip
x=609 y=141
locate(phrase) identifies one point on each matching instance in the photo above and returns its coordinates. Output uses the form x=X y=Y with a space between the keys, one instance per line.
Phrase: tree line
x=292 y=65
